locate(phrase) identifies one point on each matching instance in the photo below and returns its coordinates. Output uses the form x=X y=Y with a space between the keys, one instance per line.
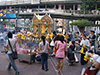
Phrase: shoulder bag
x=14 y=54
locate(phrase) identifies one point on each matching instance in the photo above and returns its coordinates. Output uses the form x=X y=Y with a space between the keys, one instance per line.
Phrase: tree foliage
x=88 y=4
x=82 y=23
x=12 y=24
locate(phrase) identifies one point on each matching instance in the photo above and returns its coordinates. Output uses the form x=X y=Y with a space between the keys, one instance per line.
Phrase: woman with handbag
x=11 y=45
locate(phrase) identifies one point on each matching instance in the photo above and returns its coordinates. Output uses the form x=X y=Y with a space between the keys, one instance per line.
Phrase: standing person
x=17 y=29
x=92 y=40
x=44 y=46
x=70 y=36
x=60 y=54
x=77 y=38
x=54 y=36
x=54 y=39
x=57 y=39
x=12 y=63
x=85 y=45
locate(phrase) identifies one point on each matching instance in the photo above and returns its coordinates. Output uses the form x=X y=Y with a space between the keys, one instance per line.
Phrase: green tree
x=12 y=24
x=88 y=5
x=82 y=23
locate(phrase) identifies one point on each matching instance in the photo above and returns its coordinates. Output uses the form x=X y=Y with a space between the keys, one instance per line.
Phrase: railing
x=52 y=11
x=15 y=2
x=57 y=0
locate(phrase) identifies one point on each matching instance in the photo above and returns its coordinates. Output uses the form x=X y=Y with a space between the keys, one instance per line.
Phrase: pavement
x=35 y=68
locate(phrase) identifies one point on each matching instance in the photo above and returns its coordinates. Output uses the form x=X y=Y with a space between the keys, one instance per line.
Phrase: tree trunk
x=81 y=29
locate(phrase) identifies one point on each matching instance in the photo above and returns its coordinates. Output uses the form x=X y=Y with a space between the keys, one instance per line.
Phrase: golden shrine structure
x=41 y=24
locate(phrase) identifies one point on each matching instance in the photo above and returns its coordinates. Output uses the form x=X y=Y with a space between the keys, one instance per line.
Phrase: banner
x=3 y=14
x=8 y=15
x=78 y=7
x=60 y=7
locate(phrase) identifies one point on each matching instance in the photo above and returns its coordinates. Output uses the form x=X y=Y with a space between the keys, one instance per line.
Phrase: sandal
x=56 y=71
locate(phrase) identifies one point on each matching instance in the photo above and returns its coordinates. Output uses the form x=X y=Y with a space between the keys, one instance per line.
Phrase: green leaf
x=82 y=23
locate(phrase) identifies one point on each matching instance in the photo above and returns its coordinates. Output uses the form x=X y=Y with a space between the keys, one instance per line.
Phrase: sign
x=3 y=26
x=3 y=14
x=78 y=7
x=59 y=7
x=8 y=15
x=9 y=8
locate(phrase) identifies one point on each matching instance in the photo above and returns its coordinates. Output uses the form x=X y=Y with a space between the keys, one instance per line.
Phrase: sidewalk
x=24 y=67
x=35 y=68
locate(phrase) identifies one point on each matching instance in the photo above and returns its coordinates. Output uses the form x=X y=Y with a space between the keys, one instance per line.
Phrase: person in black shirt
x=92 y=40
x=70 y=53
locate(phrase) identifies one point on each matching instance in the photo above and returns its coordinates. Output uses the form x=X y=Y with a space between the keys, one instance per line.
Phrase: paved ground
x=35 y=68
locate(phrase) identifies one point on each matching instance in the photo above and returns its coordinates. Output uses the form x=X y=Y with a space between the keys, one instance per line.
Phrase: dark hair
x=57 y=37
x=84 y=35
x=77 y=32
x=61 y=38
x=9 y=35
x=73 y=42
x=98 y=33
x=13 y=32
x=90 y=51
x=43 y=38
x=92 y=44
x=54 y=32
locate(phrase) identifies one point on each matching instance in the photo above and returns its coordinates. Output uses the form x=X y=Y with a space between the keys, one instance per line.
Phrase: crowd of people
x=65 y=46
x=81 y=44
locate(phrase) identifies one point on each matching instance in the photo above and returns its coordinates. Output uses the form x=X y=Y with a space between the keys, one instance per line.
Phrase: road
x=35 y=68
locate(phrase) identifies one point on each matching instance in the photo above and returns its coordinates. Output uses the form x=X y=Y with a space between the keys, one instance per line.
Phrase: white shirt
x=98 y=38
x=92 y=48
x=14 y=35
x=95 y=57
x=28 y=32
x=12 y=42
x=85 y=42
x=98 y=60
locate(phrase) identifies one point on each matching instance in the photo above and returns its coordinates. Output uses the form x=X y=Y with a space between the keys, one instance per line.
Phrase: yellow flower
x=86 y=58
x=28 y=34
x=82 y=50
x=83 y=45
x=22 y=36
x=28 y=38
x=33 y=39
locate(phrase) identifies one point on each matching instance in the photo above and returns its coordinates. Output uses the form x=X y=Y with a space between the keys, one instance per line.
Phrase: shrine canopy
x=42 y=24
x=45 y=19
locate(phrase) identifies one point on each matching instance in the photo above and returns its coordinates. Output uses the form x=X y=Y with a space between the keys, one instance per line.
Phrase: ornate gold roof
x=42 y=19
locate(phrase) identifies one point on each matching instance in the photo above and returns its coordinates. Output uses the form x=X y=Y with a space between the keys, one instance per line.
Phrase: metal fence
x=57 y=0
x=15 y=2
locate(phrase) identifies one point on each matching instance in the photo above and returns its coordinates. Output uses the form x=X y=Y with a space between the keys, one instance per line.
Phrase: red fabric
x=55 y=51
x=90 y=72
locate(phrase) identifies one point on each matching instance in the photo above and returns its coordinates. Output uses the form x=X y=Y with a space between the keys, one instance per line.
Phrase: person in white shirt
x=11 y=41
x=97 y=64
x=85 y=46
x=85 y=41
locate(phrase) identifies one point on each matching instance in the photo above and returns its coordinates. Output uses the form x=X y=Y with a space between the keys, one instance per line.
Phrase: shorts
x=59 y=58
